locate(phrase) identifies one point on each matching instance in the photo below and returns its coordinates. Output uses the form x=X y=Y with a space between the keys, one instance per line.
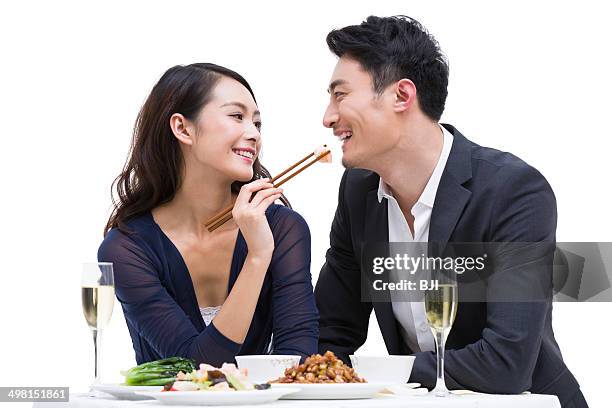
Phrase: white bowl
x=384 y=369
x=263 y=368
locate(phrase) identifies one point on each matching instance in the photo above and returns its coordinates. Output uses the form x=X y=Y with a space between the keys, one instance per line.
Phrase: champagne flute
x=98 y=295
x=441 y=308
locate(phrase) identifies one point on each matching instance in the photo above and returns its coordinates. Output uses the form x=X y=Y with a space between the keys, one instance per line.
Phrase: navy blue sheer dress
x=155 y=290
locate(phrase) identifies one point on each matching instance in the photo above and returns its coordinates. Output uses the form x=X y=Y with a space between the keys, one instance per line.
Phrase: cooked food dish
x=158 y=372
x=209 y=378
x=179 y=374
x=320 y=369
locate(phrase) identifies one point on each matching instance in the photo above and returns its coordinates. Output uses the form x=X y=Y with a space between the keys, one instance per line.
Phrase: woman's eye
x=258 y=125
x=238 y=116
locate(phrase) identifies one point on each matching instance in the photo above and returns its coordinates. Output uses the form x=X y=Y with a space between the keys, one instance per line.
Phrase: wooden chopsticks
x=226 y=214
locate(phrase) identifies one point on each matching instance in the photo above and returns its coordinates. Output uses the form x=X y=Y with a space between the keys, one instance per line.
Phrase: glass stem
x=96 y=357
x=440 y=390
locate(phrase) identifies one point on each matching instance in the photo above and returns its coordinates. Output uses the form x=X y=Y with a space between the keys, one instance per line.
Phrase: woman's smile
x=247 y=154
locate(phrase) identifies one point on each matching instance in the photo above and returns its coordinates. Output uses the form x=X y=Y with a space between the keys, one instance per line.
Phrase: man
x=411 y=179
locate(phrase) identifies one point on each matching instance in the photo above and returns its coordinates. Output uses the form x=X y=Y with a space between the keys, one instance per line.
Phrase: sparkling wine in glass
x=441 y=308
x=98 y=296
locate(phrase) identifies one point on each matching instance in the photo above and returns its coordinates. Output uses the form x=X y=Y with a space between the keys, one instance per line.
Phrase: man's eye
x=337 y=95
x=238 y=116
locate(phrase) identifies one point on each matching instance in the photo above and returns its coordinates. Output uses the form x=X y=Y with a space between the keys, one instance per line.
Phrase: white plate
x=332 y=391
x=220 y=397
x=126 y=392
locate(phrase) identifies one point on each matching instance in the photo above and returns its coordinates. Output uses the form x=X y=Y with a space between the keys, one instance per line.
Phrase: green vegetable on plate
x=158 y=372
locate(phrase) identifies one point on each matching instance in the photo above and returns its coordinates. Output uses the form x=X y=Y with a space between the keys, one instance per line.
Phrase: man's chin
x=347 y=164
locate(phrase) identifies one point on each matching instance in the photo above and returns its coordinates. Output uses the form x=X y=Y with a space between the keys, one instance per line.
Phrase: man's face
x=360 y=118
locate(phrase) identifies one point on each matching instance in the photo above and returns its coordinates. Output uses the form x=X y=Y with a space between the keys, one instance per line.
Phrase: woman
x=244 y=288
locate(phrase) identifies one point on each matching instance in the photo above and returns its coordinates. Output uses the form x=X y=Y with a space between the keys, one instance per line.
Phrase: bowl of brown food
x=326 y=377
x=320 y=369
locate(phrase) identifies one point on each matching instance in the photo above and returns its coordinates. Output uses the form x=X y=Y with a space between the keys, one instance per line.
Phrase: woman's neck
x=199 y=198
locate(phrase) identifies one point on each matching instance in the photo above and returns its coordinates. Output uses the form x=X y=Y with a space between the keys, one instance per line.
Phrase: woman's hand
x=251 y=218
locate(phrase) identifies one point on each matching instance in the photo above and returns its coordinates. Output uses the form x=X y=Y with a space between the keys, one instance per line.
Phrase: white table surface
x=383 y=401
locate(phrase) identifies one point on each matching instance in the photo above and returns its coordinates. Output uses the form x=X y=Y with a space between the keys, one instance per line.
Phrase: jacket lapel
x=452 y=196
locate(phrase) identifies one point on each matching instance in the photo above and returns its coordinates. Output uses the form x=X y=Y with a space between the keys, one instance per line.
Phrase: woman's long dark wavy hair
x=152 y=173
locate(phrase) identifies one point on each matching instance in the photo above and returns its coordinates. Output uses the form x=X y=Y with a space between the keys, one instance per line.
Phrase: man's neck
x=408 y=167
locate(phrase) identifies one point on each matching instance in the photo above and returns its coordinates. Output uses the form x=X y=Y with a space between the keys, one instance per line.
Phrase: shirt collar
x=428 y=196
x=383 y=191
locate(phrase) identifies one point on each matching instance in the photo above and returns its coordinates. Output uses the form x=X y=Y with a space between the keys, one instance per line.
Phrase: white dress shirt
x=411 y=314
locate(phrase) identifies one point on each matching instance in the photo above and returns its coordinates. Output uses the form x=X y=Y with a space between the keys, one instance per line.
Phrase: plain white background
x=531 y=78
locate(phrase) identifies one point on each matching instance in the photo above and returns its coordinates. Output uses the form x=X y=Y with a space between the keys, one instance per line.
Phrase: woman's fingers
x=265 y=203
x=246 y=192
x=249 y=212
x=263 y=194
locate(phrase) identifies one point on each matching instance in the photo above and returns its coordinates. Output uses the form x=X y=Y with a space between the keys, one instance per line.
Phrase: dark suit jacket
x=484 y=195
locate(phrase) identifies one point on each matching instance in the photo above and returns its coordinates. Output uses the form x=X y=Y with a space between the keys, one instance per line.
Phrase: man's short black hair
x=392 y=48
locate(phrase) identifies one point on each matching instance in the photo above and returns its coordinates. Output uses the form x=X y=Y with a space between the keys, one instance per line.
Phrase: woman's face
x=227 y=131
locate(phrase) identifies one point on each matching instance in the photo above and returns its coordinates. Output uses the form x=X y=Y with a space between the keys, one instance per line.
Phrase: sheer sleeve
x=150 y=309
x=295 y=316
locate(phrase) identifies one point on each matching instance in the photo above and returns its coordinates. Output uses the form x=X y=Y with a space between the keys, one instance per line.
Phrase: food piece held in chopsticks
x=325 y=152
x=320 y=369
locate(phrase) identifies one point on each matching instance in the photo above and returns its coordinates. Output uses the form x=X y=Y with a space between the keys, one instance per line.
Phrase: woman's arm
x=295 y=315
x=153 y=312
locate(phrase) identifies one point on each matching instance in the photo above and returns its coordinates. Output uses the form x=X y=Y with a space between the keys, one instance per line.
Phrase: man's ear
x=181 y=128
x=405 y=95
